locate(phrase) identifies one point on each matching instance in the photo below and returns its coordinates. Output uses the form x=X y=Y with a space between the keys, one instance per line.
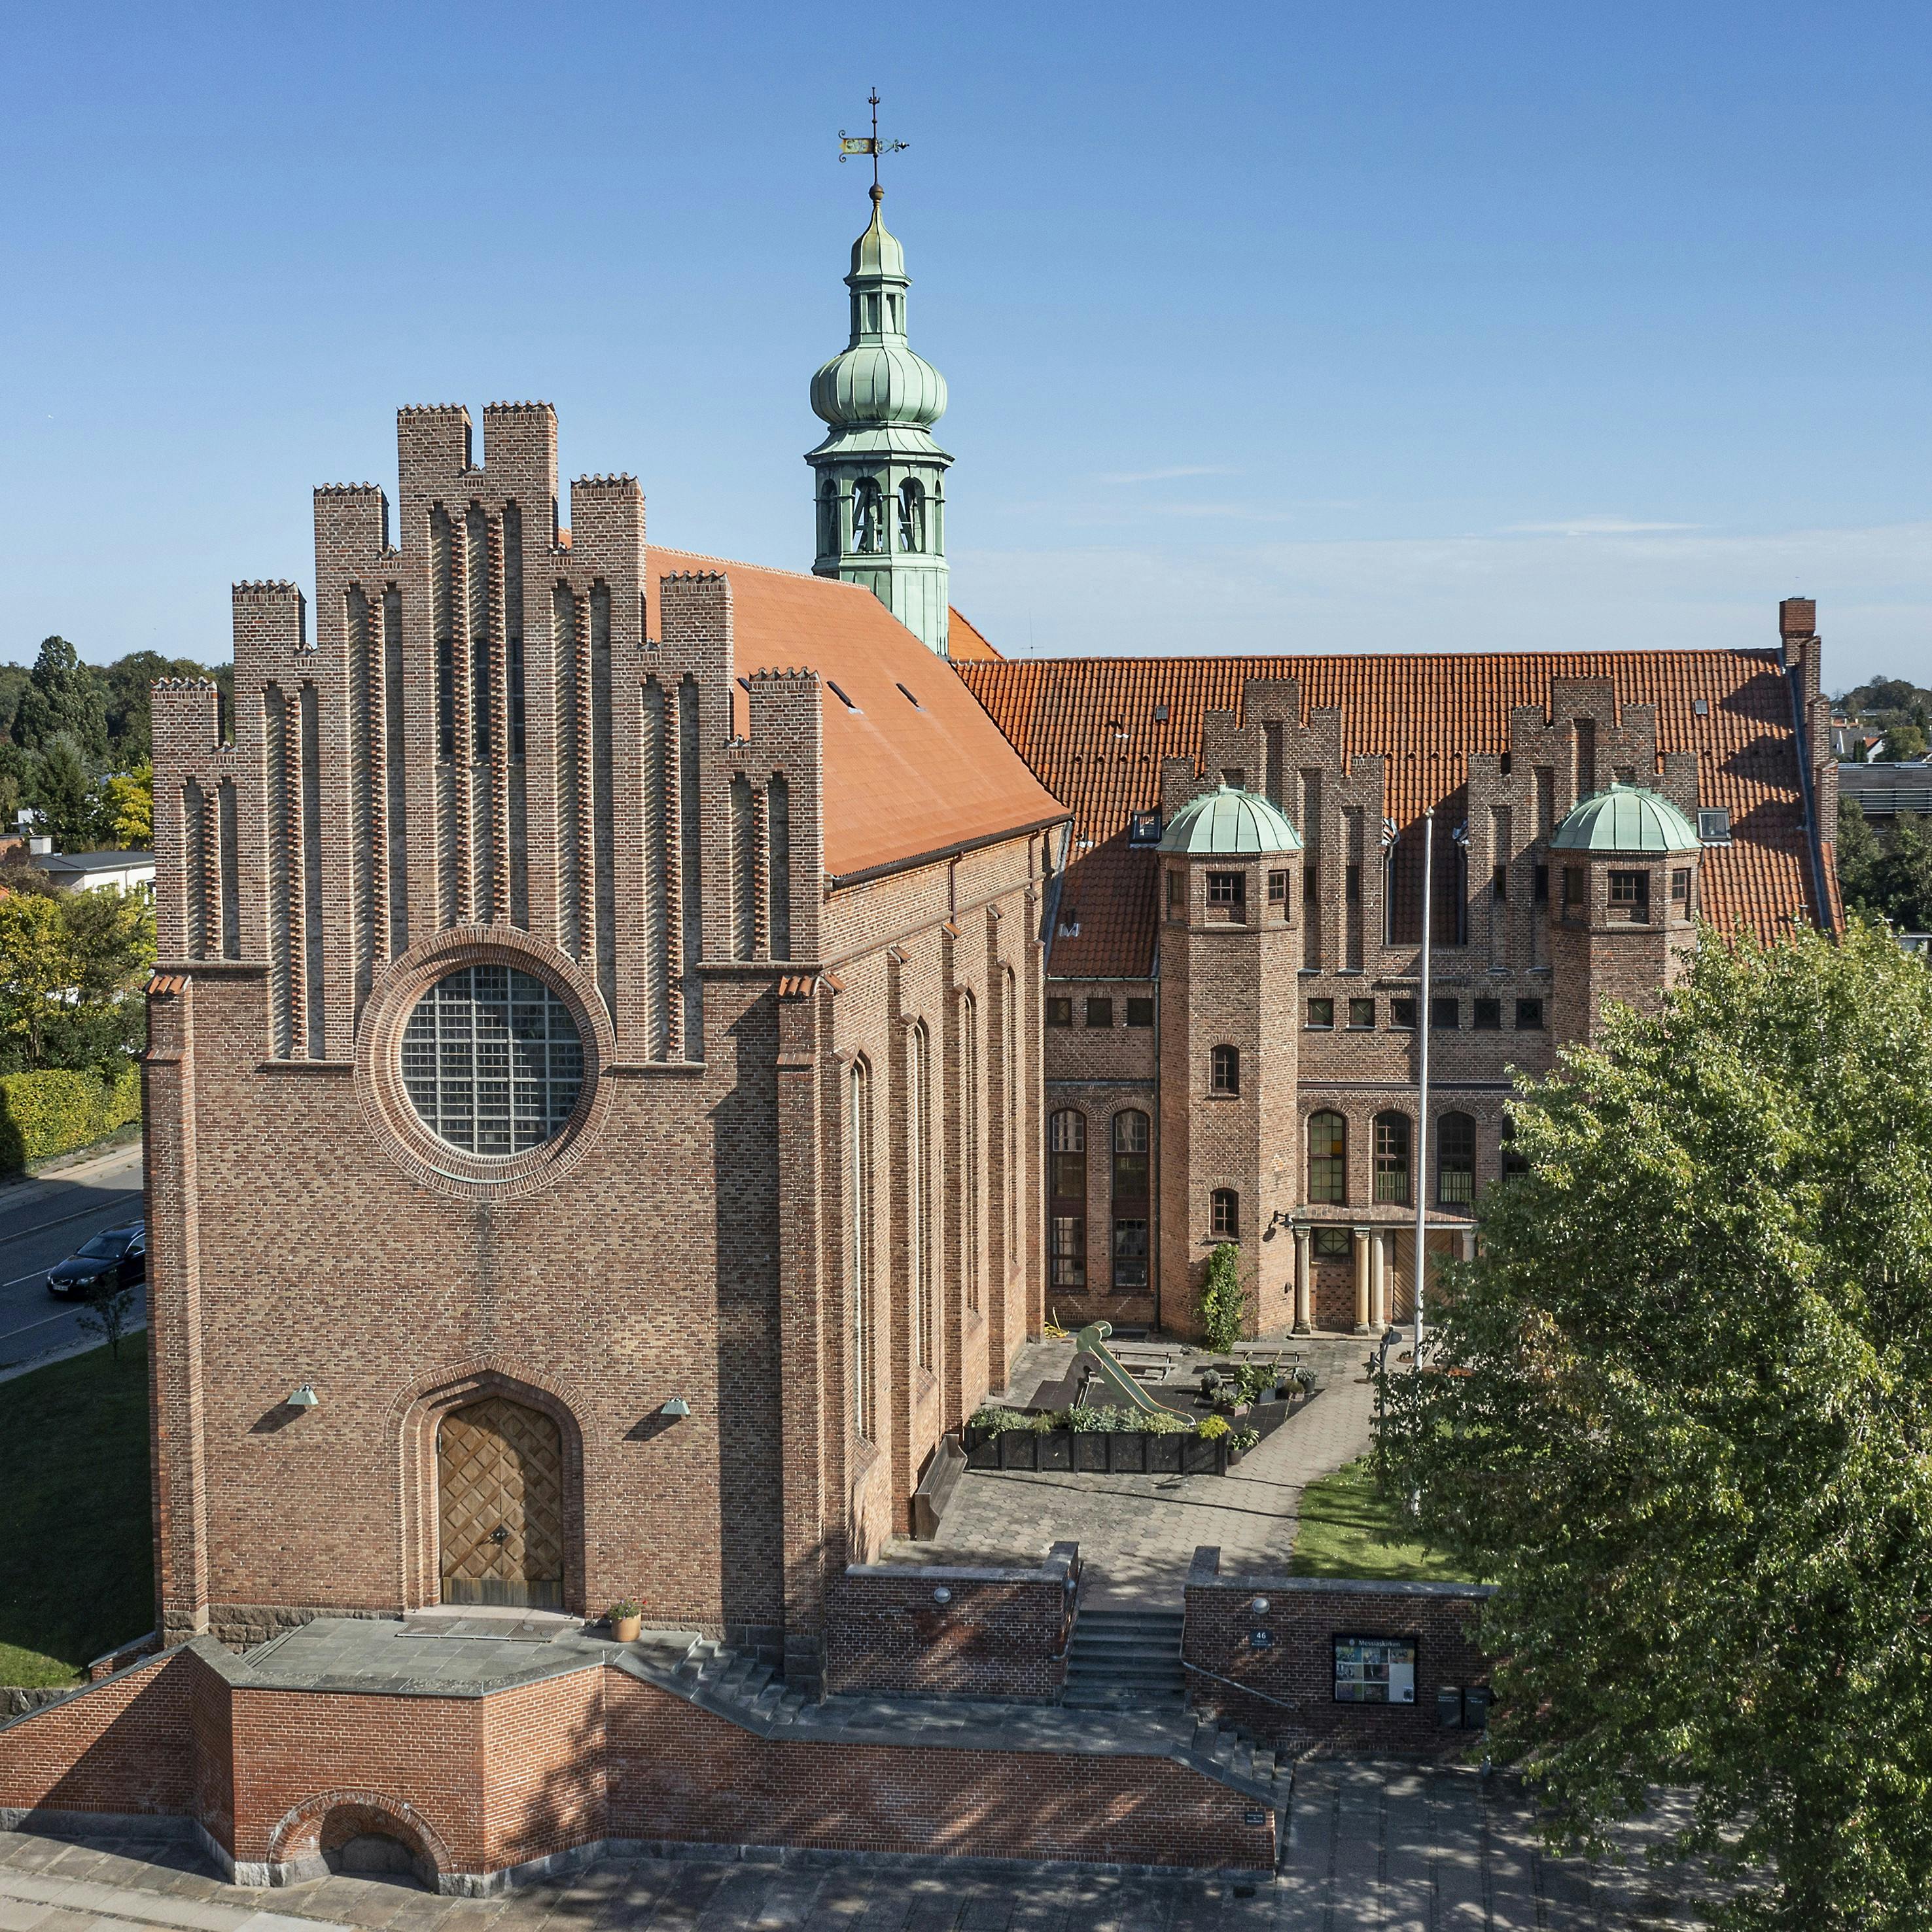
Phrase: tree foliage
x=70 y=970
x=1886 y=875
x=1689 y=1427
x=63 y=699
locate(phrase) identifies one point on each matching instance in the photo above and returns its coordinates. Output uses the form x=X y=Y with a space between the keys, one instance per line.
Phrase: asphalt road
x=43 y=1222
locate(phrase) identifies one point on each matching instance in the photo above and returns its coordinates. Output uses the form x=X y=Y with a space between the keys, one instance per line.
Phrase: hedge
x=54 y=1111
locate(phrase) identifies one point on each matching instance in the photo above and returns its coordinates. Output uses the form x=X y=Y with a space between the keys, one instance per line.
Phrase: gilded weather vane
x=850 y=145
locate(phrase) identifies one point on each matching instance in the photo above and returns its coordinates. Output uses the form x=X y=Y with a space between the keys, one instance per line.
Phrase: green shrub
x=1165 y=1422
x=1221 y=1300
x=1213 y=1429
x=57 y=1110
x=1000 y=1421
x=1242 y=1440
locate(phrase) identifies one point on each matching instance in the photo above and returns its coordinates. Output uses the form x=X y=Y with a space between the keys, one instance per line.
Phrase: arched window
x=912 y=515
x=970 y=1188
x=828 y=518
x=868 y=520
x=1455 y=1161
x=919 y=1190
x=1392 y=1138
x=1328 y=1159
x=1514 y=1163
x=859 y=1240
x=1067 y=1190
x=1225 y=1210
x=1131 y=1143
x=1225 y=1075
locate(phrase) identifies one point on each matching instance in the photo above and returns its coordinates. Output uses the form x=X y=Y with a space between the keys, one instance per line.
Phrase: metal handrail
x=1235 y=1684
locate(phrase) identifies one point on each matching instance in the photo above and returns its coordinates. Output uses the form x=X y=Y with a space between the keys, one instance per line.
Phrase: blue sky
x=1292 y=327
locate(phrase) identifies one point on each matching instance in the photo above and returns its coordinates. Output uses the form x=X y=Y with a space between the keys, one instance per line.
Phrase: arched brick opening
x=422 y=1414
x=313 y=1839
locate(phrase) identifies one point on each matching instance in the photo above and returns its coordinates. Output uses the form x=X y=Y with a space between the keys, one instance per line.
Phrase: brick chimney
x=1797 y=617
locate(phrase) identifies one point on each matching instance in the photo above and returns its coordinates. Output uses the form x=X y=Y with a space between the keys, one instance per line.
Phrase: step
x=1109 y=1641
x=1141 y=1697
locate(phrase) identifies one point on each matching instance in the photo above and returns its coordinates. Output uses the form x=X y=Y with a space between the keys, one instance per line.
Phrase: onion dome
x=1230 y=823
x=1626 y=818
x=876 y=383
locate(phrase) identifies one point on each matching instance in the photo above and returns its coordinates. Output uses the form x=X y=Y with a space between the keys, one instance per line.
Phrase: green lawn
x=1347 y=1530
x=76 y=1562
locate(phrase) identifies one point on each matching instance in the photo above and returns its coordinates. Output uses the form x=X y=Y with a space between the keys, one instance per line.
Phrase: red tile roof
x=913 y=767
x=966 y=641
x=1087 y=727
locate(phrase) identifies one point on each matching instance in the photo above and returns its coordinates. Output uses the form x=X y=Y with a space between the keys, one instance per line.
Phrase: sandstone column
x=1363 y=1236
x=1303 y=1295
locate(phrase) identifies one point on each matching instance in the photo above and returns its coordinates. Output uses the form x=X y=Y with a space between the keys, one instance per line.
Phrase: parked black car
x=116 y=1257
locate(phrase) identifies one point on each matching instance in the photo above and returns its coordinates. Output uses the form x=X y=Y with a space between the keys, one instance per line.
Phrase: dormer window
x=1714 y=827
x=1144 y=829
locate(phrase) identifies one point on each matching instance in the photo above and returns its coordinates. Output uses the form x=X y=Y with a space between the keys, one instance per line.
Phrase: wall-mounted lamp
x=305 y=1397
x=1259 y=1606
x=676 y=1406
x=942 y=1595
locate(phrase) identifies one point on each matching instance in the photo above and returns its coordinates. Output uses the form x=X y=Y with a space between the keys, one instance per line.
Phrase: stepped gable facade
x=1232 y=1037
x=594 y=1055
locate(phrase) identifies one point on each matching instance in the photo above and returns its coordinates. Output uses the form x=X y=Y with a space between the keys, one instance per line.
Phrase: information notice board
x=1374 y=1670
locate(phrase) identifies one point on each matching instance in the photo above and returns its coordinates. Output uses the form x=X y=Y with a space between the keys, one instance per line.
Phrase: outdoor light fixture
x=676 y=1406
x=305 y=1397
x=942 y=1595
x=1259 y=1606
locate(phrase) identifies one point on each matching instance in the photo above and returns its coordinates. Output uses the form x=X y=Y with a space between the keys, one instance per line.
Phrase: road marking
x=79 y=1214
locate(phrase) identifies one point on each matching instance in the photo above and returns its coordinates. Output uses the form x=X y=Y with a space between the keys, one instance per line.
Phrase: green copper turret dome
x=1230 y=823
x=1626 y=818
x=877 y=383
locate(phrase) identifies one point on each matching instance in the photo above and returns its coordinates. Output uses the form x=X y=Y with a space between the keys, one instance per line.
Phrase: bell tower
x=880 y=477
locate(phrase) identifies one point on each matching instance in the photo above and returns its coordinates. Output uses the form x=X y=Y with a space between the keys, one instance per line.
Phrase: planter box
x=1131 y=1452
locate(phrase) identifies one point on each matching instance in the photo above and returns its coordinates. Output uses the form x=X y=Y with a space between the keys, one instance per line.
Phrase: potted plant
x=626 y=1619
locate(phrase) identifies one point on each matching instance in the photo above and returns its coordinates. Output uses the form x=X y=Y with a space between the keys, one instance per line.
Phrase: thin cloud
x=1166 y=475
x=1592 y=526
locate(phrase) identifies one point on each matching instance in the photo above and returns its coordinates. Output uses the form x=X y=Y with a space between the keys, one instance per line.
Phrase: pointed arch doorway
x=500 y=1491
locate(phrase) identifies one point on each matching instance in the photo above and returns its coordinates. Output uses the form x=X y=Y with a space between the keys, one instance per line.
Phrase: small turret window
x=828 y=518
x=872 y=314
x=868 y=530
x=912 y=515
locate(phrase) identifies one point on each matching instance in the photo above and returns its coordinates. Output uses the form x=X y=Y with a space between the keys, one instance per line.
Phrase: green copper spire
x=881 y=477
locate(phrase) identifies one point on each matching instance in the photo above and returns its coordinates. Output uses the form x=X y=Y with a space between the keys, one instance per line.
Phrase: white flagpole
x=1422 y=1019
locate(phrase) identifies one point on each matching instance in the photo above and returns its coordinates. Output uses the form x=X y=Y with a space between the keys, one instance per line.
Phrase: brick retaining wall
x=940 y=1630
x=478 y=1785
x=1283 y=1688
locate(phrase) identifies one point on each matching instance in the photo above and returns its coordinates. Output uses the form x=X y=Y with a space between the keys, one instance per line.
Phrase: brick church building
x=639 y=1042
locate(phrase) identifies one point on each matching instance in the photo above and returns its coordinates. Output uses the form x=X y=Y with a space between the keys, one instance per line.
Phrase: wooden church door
x=500 y=1472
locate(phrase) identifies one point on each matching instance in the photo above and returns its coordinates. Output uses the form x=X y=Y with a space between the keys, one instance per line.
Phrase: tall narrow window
x=778 y=837
x=1225 y=1214
x=1514 y=1163
x=919 y=1190
x=1132 y=1140
x=970 y=1188
x=1392 y=1139
x=1066 y=1188
x=858 y=1241
x=828 y=518
x=869 y=522
x=1328 y=1159
x=1455 y=1160
x=1224 y=1071
x=912 y=515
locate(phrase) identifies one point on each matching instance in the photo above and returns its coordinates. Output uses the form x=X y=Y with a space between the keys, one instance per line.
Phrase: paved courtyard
x=1137 y=1534
x=1394 y=1847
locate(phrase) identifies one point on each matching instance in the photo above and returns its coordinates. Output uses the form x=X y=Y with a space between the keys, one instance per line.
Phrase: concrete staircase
x=736 y=1679
x=1126 y=1660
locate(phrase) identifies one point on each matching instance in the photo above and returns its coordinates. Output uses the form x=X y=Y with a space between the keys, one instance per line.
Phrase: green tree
x=1886 y=876
x=128 y=808
x=38 y=970
x=1903 y=741
x=71 y=968
x=66 y=799
x=1687 y=1427
x=63 y=698
x=1222 y=1303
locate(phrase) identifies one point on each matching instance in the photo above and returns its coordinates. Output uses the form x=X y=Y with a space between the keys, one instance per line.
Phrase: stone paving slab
x=1137 y=1534
x=1397 y=1847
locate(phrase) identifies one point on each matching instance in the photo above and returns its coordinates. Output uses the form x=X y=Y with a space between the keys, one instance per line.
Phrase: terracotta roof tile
x=1087 y=728
x=913 y=765
x=966 y=642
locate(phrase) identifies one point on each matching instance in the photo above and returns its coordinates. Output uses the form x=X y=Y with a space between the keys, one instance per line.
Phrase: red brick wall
x=1292 y=1679
x=125 y=1745
x=678 y=1772
x=1000 y=1634
x=476 y=1785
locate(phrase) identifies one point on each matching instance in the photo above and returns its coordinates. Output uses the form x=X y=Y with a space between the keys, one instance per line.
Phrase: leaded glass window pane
x=492 y=1061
